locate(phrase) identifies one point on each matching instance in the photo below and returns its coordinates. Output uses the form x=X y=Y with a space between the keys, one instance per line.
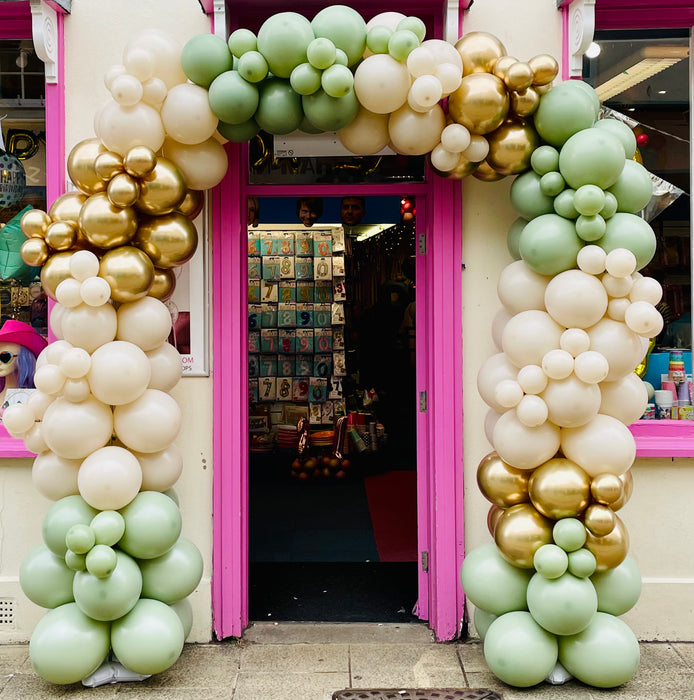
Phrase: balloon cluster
x=113 y=569
x=575 y=323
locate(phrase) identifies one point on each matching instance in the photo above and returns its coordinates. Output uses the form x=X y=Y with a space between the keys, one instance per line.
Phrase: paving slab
x=295 y=658
x=255 y=685
x=338 y=633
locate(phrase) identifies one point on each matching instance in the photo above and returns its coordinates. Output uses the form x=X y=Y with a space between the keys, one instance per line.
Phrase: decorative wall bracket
x=44 y=29
x=579 y=25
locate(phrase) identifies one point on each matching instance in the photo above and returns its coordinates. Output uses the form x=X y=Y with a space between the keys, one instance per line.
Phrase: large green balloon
x=631 y=232
x=67 y=646
x=619 y=588
x=605 y=654
x=204 y=57
x=592 y=157
x=513 y=237
x=544 y=159
x=527 y=196
x=518 y=650
x=582 y=563
x=111 y=597
x=149 y=639
x=564 y=204
x=563 y=605
x=330 y=113
x=564 y=111
x=279 y=109
x=152 y=525
x=61 y=516
x=233 y=99
x=238 y=133
x=253 y=66
x=242 y=41
x=173 y=575
x=483 y=620
x=493 y=584
x=283 y=40
x=633 y=189
x=45 y=578
x=622 y=132
x=549 y=244
x=345 y=27
x=184 y=610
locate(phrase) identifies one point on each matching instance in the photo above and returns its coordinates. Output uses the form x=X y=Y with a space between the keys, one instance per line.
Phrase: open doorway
x=332 y=348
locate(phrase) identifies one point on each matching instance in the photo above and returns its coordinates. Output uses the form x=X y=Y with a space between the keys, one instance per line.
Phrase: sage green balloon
x=550 y=561
x=337 y=81
x=633 y=189
x=241 y=41
x=589 y=200
x=330 y=113
x=549 y=244
x=112 y=597
x=76 y=562
x=101 y=561
x=544 y=159
x=590 y=228
x=341 y=57
x=563 y=111
x=588 y=90
x=61 y=516
x=204 y=57
x=173 y=575
x=619 y=588
x=321 y=53
x=308 y=128
x=527 y=196
x=67 y=645
x=184 y=610
x=605 y=654
x=414 y=24
x=377 y=38
x=80 y=538
x=253 y=67
x=591 y=157
x=233 y=99
x=582 y=563
x=238 y=133
x=513 y=237
x=564 y=204
x=482 y=620
x=108 y=527
x=552 y=183
x=305 y=79
x=402 y=43
x=563 y=605
x=632 y=232
x=152 y=525
x=45 y=578
x=283 y=40
x=279 y=108
x=519 y=651
x=569 y=534
x=610 y=207
x=149 y=639
x=493 y=584
x=345 y=27
x=622 y=132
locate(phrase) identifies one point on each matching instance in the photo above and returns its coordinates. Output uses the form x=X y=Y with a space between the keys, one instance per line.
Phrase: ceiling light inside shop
x=593 y=50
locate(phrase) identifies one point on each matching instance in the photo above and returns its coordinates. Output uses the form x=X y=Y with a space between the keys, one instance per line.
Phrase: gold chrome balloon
x=544 y=68
x=67 y=207
x=524 y=103
x=606 y=488
x=34 y=252
x=642 y=367
x=128 y=271
x=461 y=170
x=627 y=480
x=559 y=489
x=192 y=203
x=502 y=64
x=164 y=284
x=479 y=51
x=493 y=518
x=81 y=166
x=520 y=532
x=542 y=89
x=54 y=271
x=519 y=76
x=169 y=240
x=107 y=165
x=104 y=225
x=599 y=519
x=610 y=550
x=139 y=161
x=123 y=190
x=510 y=147
x=480 y=103
x=162 y=190
x=486 y=173
x=34 y=223
x=501 y=483
x=61 y=235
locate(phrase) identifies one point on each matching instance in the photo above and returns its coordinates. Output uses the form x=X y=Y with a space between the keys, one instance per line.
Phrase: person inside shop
x=352 y=210
x=20 y=345
x=253 y=211
x=309 y=210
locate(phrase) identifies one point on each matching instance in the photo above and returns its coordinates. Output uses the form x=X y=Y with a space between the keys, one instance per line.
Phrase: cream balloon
x=55 y=320
x=621 y=347
x=54 y=352
x=508 y=393
x=520 y=289
x=83 y=264
x=617 y=286
x=18 y=419
x=455 y=138
x=49 y=379
x=55 y=477
x=574 y=341
x=444 y=52
x=591 y=367
x=644 y=319
x=95 y=291
x=112 y=73
x=478 y=149
x=415 y=133
x=489 y=422
x=33 y=440
x=160 y=470
x=421 y=61
x=495 y=369
x=571 y=402
x=591 y=259
x=89 y=327
x=119 y=372
x=165 y=53
x=625 y=399
x=532 y=411
x=145 y=322
x=126 y=90
x=450 y=77
x=203 y=165
x=187 y=116
x=557 y=364
x=366 y=134
x=532 y=379
x=109 y=478
x=122 y=128
x=139 y=62
x=166 y=367
x=386 y=19
x=524 y=447
x=148 y=424
x=617 y=308
x=76 y=390
x=67 y=293
x=646 y=289
x=154 y=92
x=425 y=92
x=75 y=363
x=444 y=160
x=381 y=83
x=575 y=299
x=528 y=336
x=38 y=402
x=501 y=318
x=620 y=262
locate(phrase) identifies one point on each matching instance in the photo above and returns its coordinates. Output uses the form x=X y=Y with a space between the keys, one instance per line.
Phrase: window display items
x=20 y=345
x=12 y=178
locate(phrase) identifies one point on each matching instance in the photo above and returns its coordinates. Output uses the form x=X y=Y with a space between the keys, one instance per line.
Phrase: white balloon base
x=558 y=675
x=112 y=671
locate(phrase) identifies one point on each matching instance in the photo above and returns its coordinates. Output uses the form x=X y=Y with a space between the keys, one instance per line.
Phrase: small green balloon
x=233 y=99
x=622 y=132
x=241 y=41
x=108 y=527
x=184 y=610
x=564 y=605
x=564 y=111
x=238 y=133
x=101 y=561
x=377 y=38
x=45 y=578
x=402 y=43
x=610 y=207
x=582 y=563
x=67 y=645
x=528 y=198
x=544 y=159
x=415 y=25
x=283 y=40
x=589 y=200
x=483 y=620
x=337 y=81
x=619 y=588
x=569 y=534
x=590 y=228
x=345 y=27
x=253 y=67
x=564 y=204
x=591 y=157
x=550 y=561
x=330 y=113
x=552 y=183
x=61 y=516
x=513 y=237
x=341 y=57
x=631 y=232
x=80 y=538
x=279 y=108
x=305 y=79
x=633 y=189
x=204 y=57
x=174 y=575
x=321 y=53
x=152 y=525
x=549 y=244
x=76 y=562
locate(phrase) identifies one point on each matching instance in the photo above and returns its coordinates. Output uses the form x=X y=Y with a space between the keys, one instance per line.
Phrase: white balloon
x=455 y=138
x=591 y=367
x=415 y=133
x=501 y=318
x=366 y=134
x=646 y=289
x=95 y=291
x=443 y=160
x=139 y=62
x=49 y=379
x=165 y=51
x=154 y=92
x=109 y=478
x=520 y=289
x=591 y=259
x=187 y=116
x=620 y=262
x=68 y=293
x=33 y=440
x=626 y=399
x=426 y=91
x=557 y=364
x=75 y=363
x=617 y=308
x=617 y=286
x=160 y=470
x=54 y=351
x=450 y=77
x=83 y=265
x=39 y=402
x=89 y=327
x=524 y=447
x=55 y=477
x=528 y=336
x=203 y=165
x=508 y=393
x=166 y=367
x=602 y=445
x=122 y=128
x=55 y=320
x=532 y=379
x=478 y=149
x=574 y=341
x=145 y=322
x=532 y=411
x=119 y=372
x=571 y=402
x=112 y=73
x=381 y=83
x=444 y=52
x=386 y=19
x=148 y=424
x=575 y=299
x=621 y=347
x=421 y=61
x=76 y=390
x=644 y=319
x=489 y=422
x=126 y=90
x=18 y=419
x=75 y=430
x=495 y=369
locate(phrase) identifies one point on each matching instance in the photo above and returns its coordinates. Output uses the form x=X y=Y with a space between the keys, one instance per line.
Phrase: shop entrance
x=332 y=409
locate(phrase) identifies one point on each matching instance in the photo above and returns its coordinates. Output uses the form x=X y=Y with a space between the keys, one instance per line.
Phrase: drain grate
x=7 y=606
x=418 y=694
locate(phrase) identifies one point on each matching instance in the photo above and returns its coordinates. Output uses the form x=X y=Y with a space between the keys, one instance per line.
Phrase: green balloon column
x=575 y=323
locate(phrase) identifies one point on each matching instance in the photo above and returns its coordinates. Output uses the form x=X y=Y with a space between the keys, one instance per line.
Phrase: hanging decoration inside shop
x=12 y=177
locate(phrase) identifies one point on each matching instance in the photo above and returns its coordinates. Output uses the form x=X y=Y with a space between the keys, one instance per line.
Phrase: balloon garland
x=113 y=570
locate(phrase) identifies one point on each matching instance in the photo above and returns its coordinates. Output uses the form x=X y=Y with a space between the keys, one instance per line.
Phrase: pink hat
x=22 y=334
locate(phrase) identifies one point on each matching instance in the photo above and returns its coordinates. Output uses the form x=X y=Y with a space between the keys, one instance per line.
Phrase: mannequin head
x=19 y=346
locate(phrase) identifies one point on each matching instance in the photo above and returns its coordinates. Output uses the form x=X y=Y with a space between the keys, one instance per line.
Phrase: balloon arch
x=575 y=322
